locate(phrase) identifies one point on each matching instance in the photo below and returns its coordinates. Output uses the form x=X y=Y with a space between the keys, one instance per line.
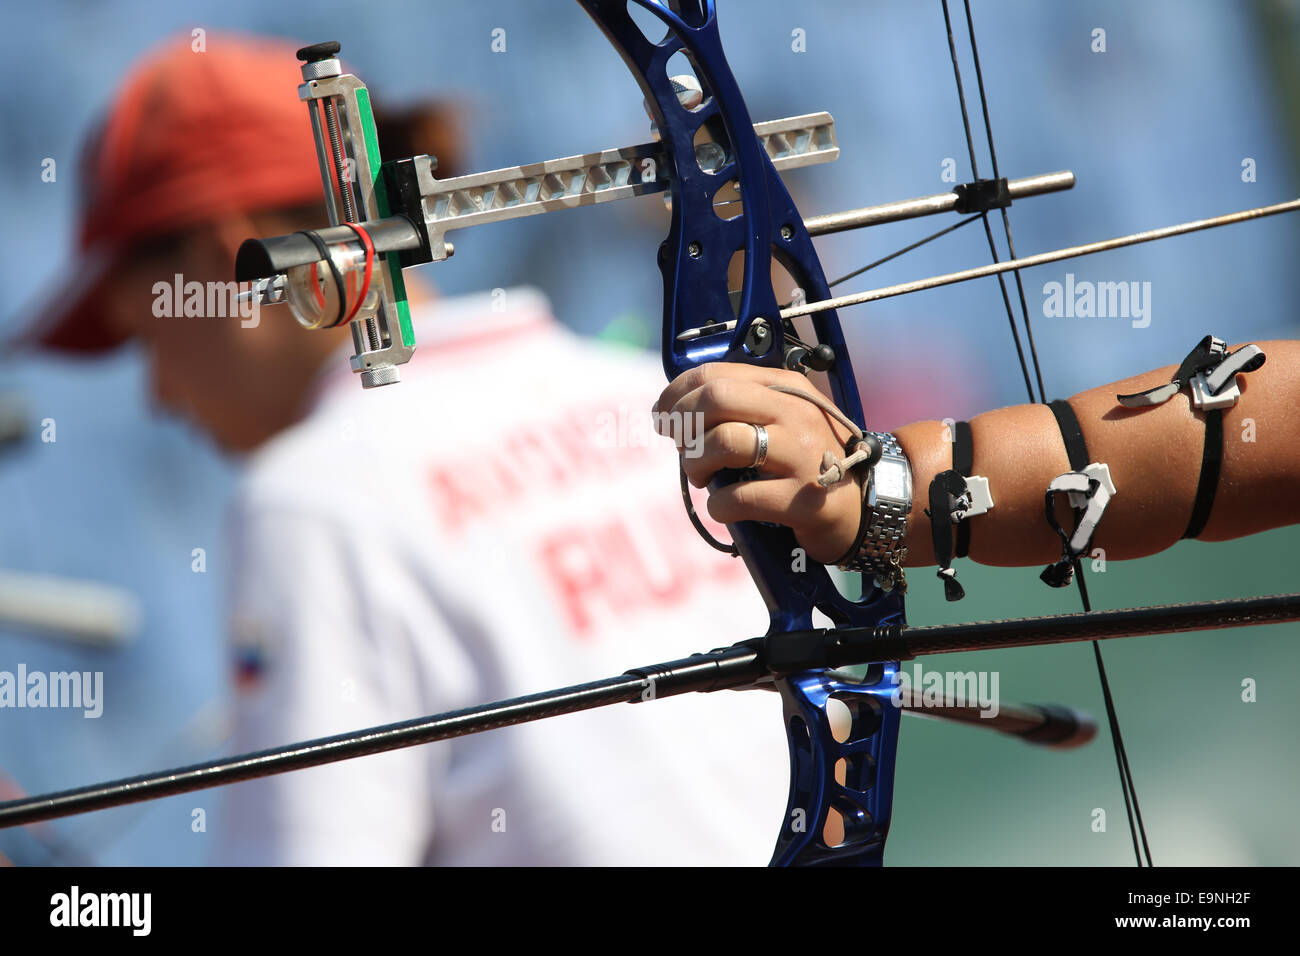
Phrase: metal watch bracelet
x=880 y=548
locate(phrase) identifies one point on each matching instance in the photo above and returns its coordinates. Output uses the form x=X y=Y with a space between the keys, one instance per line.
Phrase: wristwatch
x=880 y=548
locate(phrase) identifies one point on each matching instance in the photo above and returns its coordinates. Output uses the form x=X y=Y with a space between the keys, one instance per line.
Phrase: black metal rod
x=313 y=753
x=1099 y=625
x=736 y=666
x=727 y=667
x=849 y=646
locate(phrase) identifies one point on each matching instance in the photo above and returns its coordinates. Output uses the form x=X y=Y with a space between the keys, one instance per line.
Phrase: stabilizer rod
x=748 y=664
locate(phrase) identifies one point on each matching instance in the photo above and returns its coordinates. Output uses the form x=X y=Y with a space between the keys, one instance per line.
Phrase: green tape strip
x=381 y=197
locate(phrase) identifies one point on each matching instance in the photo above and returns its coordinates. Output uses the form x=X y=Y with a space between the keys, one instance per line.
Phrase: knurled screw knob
x=319 y=51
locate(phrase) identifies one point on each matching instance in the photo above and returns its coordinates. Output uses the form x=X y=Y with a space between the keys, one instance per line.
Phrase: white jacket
x=500 y=523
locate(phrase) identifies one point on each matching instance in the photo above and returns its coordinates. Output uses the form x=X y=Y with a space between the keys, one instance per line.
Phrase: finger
x=719 y=401
x=701 y=375
x=735 y=445
x=770 y=500
x=734 y=400
x=823 y=527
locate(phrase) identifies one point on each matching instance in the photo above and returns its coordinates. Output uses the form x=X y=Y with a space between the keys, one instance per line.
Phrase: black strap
x=946 y=487
x=1210 y=358
x=1208 y=483
x=1060 y=573
x=1076 y=449
x=945 y=490
x=963 y=462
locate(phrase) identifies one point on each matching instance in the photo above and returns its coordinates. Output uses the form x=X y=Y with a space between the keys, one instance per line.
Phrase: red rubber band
x=370 y=261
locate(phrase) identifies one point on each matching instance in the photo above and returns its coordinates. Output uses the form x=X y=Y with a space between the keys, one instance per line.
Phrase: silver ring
x=760 y=455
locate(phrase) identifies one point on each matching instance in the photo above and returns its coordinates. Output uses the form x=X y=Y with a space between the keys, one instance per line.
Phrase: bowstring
x=1132 y=809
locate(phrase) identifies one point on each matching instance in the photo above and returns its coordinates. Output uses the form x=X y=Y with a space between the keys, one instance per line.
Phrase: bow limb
x=829 y=819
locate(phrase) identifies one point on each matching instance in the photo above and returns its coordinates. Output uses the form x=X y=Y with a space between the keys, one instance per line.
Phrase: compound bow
x=727 y=196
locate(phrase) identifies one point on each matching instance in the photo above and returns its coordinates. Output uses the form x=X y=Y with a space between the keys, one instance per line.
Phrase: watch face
x=889 y=481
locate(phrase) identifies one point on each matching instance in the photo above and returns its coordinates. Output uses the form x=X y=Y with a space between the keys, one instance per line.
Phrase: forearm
x=1154 y=455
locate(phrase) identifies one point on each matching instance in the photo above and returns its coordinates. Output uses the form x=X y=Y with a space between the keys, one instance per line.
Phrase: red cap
x=190 y=136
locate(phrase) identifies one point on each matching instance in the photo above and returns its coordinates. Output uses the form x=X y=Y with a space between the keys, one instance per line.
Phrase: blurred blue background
x=1156 y=129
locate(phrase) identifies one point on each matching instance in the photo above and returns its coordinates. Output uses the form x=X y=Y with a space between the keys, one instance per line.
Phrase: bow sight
x=329 y=276
x=385 y=217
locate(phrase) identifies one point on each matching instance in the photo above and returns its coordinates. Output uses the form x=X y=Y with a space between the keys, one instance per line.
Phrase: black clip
x=982 y=195
x=1210 y=370
x=1089 y=490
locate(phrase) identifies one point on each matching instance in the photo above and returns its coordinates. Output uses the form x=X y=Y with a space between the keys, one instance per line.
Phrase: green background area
x=1216 y=777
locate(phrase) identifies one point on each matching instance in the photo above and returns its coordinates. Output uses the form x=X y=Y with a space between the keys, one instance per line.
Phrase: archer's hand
x=710 y=413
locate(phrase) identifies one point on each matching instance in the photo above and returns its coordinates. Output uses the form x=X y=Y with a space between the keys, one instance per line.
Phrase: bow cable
x=1131 y=807
x=894 y=255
